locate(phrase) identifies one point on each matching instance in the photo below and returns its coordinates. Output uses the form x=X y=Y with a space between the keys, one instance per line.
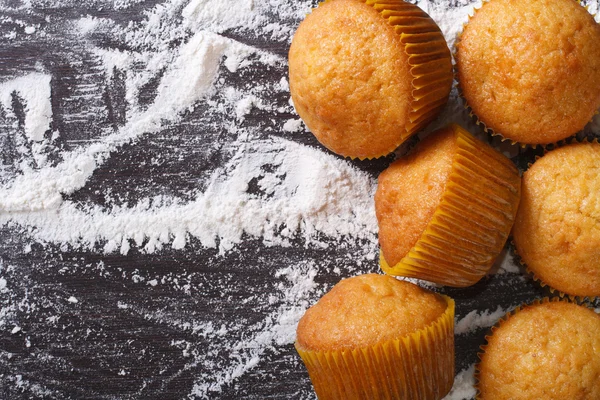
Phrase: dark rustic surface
x=143 y=349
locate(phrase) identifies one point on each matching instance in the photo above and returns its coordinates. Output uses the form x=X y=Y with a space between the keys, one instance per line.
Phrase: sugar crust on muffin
x=366 y=310
x=549 y=350
x=529 y=69
x=557 y=229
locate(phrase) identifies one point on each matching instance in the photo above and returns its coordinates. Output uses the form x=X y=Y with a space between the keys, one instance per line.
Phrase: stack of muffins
x=366 y=75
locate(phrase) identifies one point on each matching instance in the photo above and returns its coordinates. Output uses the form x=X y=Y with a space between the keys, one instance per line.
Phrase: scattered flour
x=309 y=194
x=219 y=15
x=505 y=264
x=450 y=19
x=198 y=60
x=35 y=388
x=280 y=328
x=34 y=89
x=464 y=385
x=478 y=319
x=292 y=125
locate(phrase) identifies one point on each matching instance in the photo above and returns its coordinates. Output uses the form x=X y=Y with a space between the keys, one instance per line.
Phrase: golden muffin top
x=409 y=191
x=350 y=75
x=547 y=351
x=529 y=69
x=365 y=310
x=557 y=229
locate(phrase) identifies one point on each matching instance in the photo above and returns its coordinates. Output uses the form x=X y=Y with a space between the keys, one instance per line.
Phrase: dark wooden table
x=79 y=322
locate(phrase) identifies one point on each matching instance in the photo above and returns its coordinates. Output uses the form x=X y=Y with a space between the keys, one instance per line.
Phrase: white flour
x=35 y=91
x=463 y=388
x=477 y=320
x=326 y=196
x=279 y=329
x=298 y=192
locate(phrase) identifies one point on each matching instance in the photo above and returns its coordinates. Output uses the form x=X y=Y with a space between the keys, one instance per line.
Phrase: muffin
x=548 y=350
x=557 y=228
x=445 y=210
x=375 y=337
x=366 y=75
x=529 y=69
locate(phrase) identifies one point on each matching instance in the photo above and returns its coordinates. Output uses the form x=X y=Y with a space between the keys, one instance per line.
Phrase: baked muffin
x=529 y=69
x=445 y=210
x=548 y=350
x=557 y=228
x=365 y=75
x=375 y=337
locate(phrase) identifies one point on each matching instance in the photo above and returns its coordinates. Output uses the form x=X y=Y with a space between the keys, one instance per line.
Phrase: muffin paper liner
x=472 y=222
x=499 y=323
x=556 y=292
x=429 y=58
x=417 y=366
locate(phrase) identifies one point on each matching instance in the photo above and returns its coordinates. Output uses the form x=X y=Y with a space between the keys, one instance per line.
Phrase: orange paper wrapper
x=429 y=58
x=419 y=366
x=472 y=222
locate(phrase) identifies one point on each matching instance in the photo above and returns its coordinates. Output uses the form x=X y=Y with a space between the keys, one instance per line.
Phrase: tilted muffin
x=446 y=210
x=375 y=337
x=529 y=69
x=365 y=75
x=557 y=228
x=549 y=350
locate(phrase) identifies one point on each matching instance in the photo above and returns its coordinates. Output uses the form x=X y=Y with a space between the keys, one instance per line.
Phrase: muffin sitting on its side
x=446 y=209
x=366 y=75
x=375 y=337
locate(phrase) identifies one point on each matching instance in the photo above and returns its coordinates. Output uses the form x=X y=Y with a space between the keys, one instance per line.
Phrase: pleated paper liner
x=429 y=58
x=419 y=366
x=555 y=292
x=478 y=121
x=472 y=222
x=499 y=323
